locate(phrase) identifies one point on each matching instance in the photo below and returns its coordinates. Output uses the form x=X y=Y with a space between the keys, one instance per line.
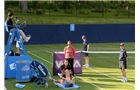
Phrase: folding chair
x=39 y=71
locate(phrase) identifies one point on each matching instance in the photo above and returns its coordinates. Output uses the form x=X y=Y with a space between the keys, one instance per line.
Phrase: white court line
x=90 y=83
x=40 y=57
x=110 y=76
x=132 y=52
x=75 y=75
x=100 y=52
x=106 y=51
x=48 y=51
x=107 y=75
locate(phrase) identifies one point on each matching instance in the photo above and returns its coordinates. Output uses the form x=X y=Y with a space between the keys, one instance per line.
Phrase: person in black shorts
x=85 y=48
x=123 y=61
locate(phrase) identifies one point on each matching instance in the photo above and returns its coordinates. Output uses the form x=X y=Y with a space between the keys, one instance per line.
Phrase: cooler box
x=23 y=71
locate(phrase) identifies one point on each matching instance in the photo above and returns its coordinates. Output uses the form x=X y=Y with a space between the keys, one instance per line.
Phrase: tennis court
x=103 y=73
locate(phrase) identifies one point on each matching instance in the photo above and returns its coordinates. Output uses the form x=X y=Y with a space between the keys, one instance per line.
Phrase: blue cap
x=83 y=36
x=122 y=44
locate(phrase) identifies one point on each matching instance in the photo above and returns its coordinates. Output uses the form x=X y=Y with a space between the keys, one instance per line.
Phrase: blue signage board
x=72 y=27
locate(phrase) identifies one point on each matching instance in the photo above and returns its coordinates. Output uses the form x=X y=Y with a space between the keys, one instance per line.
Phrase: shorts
x=65 y=75
x=67 y=82
x=122 y=64
x=86 y=54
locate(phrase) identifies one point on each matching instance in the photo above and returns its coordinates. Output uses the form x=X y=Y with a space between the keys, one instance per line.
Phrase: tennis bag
x=38 y=72
x=13 y=53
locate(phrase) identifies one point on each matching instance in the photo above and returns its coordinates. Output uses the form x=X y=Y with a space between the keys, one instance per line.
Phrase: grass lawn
x=87 y=17
x=103 y=73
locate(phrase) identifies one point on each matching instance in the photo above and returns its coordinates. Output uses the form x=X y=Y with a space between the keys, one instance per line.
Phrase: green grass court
x=103 y=73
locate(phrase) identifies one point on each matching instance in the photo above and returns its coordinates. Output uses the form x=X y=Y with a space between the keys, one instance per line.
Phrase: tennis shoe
x=87 y=66
x=59 y=75
x=124 y=80
x=28 y=38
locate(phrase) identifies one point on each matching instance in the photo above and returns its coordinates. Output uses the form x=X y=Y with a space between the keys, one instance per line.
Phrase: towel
x=20 y=86
x=62 y=86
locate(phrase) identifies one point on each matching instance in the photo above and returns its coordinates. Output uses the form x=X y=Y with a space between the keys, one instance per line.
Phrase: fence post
x=102 y=8
x=76 y=7
x=49 y=7
x=128 y=9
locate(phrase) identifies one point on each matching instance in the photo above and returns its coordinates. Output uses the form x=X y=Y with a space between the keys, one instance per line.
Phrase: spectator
x=127 y=6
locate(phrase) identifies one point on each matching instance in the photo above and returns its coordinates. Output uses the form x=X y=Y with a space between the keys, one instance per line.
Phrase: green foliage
x=9 y=10
x=11 y=3
x=56 y=5
x=68 y=11
x=33 y=4
x=17 y=10
x=56 y=9
x=40 y=11
x=84 y=12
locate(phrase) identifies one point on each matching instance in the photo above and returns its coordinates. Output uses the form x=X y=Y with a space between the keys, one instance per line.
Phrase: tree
x=24 y=5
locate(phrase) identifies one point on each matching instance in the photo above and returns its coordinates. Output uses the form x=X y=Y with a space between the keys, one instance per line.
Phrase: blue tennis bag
x=38 y=71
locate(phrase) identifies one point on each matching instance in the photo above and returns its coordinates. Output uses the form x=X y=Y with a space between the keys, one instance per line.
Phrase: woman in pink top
x=69 y=52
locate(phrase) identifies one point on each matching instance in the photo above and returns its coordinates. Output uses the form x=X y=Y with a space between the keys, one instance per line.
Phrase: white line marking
x=91 y=83
x=39 y=57
x=100 y=52
x=110 y=76
x=87 y=51
x=106 y=51
x=48 y=51
x=75 y=75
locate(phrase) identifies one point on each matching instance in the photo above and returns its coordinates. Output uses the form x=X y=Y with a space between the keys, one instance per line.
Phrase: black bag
x=13 y=53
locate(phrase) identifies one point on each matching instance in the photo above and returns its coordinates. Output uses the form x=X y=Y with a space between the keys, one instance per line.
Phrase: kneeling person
x=68 y=81
x=65 y=67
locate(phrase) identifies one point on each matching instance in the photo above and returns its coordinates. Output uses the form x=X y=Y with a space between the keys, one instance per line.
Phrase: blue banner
x=95 y=33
